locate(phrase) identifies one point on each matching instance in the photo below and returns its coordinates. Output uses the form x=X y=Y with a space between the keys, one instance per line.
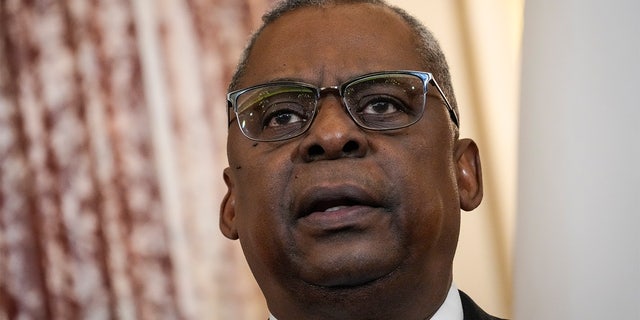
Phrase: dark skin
x=384 y=248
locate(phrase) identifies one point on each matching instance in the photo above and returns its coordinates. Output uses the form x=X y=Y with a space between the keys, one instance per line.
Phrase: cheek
x=262 y=198
x=262 y=172
x=426 y=177
x=257 y=223
x=262 y=195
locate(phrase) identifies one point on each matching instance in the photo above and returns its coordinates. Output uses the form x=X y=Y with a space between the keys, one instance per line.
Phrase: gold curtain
x=112 y=142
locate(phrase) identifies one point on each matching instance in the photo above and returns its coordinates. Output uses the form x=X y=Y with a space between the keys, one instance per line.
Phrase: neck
x=380 y=299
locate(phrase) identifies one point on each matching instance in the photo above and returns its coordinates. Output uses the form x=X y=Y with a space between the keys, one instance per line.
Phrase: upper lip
x=321 y=198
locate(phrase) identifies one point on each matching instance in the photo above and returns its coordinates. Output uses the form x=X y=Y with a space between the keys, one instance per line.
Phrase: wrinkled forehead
x=327 y=45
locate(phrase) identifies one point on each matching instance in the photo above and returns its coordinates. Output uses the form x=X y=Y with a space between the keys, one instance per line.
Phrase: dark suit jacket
x=472 y=311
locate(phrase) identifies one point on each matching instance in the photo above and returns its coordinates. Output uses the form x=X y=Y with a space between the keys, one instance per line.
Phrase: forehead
x=326 y=45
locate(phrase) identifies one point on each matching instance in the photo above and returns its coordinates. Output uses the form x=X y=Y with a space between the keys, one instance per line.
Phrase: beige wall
x=482 y=42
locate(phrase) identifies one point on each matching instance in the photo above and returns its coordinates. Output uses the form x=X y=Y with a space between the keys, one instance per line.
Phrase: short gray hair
x=428 y=47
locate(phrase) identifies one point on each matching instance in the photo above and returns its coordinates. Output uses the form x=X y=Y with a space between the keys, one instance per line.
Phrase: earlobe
x=228 y=210
x=469 y=174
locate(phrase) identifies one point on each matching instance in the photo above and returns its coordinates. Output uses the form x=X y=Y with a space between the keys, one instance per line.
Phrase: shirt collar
x=451 y=308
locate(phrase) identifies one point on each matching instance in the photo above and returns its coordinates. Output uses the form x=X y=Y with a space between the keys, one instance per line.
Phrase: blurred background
x=112 y=145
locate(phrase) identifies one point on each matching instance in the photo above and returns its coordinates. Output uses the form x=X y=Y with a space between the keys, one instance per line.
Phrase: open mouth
x=327 y=205
x=329 y=209
x=334 y=199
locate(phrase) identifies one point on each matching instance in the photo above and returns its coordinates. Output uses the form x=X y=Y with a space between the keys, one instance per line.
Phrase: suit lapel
x=472 y=311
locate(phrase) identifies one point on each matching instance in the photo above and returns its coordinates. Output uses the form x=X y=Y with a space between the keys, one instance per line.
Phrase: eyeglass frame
x=426 y=77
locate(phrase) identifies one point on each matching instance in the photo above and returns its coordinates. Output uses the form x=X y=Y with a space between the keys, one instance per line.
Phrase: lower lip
x=343 y=218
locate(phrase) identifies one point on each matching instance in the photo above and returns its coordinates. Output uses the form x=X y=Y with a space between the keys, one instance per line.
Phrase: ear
x=469 y=174
x=228 y=209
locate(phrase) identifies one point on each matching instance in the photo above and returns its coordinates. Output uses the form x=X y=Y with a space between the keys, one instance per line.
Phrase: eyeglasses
x=376 y=101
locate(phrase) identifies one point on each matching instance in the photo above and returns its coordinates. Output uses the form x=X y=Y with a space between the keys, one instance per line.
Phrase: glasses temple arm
x=452 y=113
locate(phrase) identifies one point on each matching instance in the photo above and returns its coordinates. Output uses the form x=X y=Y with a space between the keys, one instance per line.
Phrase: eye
x=380 y=105
x=283 y=114
x=383 y=111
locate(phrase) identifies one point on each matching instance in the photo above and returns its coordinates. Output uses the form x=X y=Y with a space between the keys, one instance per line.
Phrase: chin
x=349 y=271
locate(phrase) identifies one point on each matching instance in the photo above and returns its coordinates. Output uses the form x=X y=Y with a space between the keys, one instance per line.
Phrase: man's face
x=341 y=206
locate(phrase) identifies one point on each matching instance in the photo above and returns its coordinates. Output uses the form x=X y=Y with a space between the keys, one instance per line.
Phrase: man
x=346 y=174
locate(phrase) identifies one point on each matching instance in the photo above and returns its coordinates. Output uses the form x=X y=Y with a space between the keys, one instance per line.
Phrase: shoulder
x=472 y=311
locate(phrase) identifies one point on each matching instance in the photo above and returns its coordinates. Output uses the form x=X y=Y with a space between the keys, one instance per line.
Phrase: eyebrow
x=319 y=76
x=313 y=83
x=286 y=79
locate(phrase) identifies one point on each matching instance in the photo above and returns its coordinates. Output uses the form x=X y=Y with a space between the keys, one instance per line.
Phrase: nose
x=333 y=134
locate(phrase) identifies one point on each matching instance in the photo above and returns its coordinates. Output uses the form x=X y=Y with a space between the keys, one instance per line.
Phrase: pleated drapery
x=112 y=142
